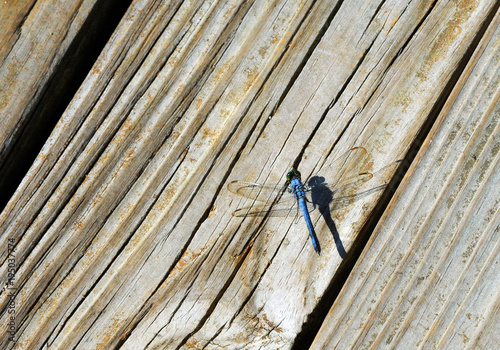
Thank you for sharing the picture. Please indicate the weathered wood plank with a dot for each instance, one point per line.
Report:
(123, 225)
(46, 49)
(429, 277)
(11, 17)
(35, 34)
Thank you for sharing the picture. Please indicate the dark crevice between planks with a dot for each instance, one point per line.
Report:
(61, 87)
(314, 321)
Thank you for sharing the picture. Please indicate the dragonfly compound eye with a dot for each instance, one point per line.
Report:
(291, 174)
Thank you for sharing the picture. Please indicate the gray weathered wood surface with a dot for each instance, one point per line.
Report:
(123, 227)
(34, 36)
(430, 275)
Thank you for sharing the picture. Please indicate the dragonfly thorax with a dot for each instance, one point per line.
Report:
(295, 184)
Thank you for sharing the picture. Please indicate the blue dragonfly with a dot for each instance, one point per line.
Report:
(281, 199)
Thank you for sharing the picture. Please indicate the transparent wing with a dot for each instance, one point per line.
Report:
(279, 209)
(286, 205)
(322, 194)
(262, 193)
(349, 166)
(342, 202)
(350, 189)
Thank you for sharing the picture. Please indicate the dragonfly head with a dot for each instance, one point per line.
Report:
(294, 173)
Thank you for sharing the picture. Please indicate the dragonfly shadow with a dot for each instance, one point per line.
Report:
(322, 196)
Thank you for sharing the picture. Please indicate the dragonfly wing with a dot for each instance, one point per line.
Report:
(321, 194)
(379, 179)
(344, 201)
(350, 186)
(284, 207)
(252, 190)
(349, 190)
(350, 164)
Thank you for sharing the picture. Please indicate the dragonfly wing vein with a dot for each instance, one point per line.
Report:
(261, 193)
(284, 207)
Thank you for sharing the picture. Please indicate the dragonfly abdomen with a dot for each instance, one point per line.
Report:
(299, 193)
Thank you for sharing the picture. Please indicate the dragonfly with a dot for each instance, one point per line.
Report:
(282, 199)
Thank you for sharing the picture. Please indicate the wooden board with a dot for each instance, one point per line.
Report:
(430, 275)
(123, 228)
(47, 48)
(34, 37)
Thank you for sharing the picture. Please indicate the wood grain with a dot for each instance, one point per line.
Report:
(123, 227)
(429, 276)
(35, 36)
